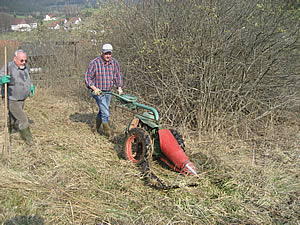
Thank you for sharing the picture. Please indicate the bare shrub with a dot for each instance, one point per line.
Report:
(63, 56)
(215, 65)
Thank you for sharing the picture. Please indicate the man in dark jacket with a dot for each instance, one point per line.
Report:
(19, 87)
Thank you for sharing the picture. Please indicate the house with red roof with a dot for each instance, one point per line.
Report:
(20, 24)
(49, 17)
(73, 22)
(55, 25)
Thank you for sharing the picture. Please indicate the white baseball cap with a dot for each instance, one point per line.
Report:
(107, 48)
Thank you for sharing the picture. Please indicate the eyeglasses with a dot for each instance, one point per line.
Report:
(23, 60)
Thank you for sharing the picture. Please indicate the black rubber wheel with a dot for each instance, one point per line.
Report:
(178, 138)
(137, 145)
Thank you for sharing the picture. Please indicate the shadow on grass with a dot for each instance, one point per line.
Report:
(87, 118)
(119, 141)
(26, 220)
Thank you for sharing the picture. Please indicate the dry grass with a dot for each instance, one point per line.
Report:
(72, 176)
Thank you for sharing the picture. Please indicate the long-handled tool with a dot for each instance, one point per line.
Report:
(6, 135)
(146, 138)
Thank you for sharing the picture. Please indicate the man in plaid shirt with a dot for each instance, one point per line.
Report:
(102, 74)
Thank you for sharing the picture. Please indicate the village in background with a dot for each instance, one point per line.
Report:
(63, 15)
(20, 27)
(53, 22)
(29, 24)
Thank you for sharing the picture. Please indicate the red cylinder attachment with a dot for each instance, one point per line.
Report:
(172, 150)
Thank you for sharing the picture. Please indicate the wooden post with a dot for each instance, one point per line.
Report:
(6, 135)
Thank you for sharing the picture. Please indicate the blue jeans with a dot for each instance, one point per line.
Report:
(103, 102)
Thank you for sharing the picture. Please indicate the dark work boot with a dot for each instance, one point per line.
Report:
(26, 136)
(12, 125)
(106, 130)
(113, 129)
(12, 128)
(97, 125)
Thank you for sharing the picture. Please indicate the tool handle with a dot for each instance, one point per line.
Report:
(5, 105)
(132, 100)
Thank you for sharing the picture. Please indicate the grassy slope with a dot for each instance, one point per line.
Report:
(72, 176)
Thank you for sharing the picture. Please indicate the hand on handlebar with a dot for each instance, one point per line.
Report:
(97, 91)
(120, 91)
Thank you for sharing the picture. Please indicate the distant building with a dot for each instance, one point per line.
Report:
(57, 24)
(54, 25)
(74, 21)
(49, 17)
(20, 24)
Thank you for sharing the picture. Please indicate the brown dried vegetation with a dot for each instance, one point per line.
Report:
(224, 75)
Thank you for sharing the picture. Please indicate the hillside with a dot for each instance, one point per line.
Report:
(18, 7)
(73, 176)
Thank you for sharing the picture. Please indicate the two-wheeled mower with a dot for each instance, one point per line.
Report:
(146, 139)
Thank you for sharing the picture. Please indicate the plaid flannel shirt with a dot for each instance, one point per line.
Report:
(103, 75)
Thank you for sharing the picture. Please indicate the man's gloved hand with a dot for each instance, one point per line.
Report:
(97, 91)
(32, 91)
(5, 79)
(120, 91)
